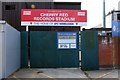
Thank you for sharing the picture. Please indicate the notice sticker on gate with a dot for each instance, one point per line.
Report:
(72, 45)
(67, 40)
(63, 46)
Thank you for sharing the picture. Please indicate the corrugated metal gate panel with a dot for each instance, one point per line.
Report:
(43, 49)
(116, 42)
(44, 52)
(105, 51)
(68, 58)
(89, 48)
(116, 50)
(24, 49)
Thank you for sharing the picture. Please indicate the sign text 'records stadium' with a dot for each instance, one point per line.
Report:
(54, 17)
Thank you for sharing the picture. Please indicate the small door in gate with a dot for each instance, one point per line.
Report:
(89, 49)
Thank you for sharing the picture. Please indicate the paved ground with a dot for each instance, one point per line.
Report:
(103, 74)
(119, 74)
(65, 73)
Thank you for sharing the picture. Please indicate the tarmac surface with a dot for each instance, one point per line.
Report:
(65, 73)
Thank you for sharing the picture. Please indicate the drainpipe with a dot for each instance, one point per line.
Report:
(104, 19)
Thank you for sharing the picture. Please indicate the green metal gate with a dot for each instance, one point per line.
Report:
(89, 49)
(45, 54)
(24, 49)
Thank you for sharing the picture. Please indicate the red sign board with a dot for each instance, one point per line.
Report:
(51, 17)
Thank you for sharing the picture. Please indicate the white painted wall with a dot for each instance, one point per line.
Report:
(9, 50)
(1, 72)
(109, 21)
(12, 48)
(119, 5)
(2, 69)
